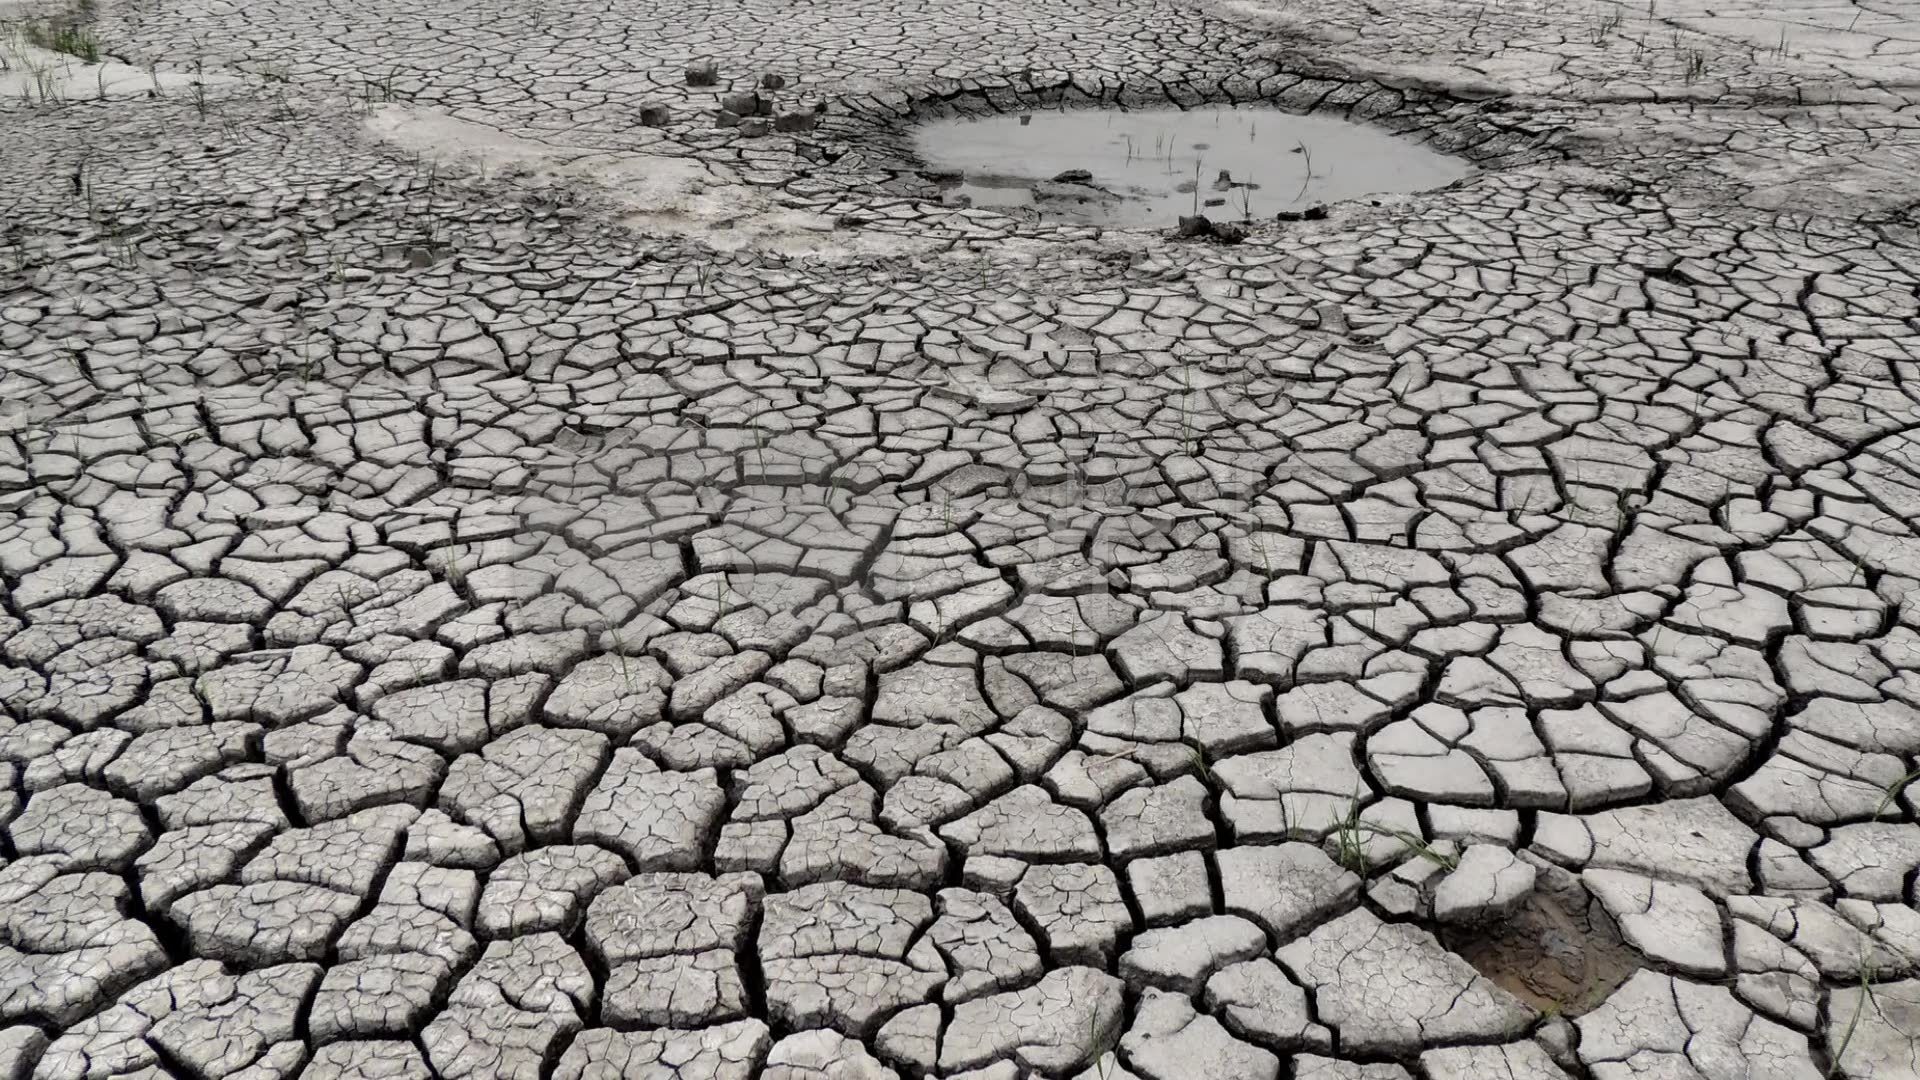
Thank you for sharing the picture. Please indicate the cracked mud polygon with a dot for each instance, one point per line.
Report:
(546, 541)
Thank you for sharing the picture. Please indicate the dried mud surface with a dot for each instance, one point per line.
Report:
(502, 575)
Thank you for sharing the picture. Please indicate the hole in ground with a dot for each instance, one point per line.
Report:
(1558, 953)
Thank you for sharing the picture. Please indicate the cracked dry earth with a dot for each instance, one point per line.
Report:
(493, 588)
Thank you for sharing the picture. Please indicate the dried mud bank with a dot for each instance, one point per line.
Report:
(505, 575)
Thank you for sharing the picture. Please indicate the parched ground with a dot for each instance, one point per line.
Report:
(490, 587)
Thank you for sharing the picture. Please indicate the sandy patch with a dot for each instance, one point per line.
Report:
(44, 76)
(660, 193)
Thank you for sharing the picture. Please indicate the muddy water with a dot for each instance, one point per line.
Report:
(1151, 166)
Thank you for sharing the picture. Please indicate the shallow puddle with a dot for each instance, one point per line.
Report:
(1149, 167)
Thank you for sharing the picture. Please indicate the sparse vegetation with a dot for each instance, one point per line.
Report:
(1606, 20)
(18, 54)
(1853, 1024)
(197, 89)
(453, 571)
(1350, 837)
(1696, 66)
(619, 651)
(64, 35)
(1350, 848)
(1104, 1060)
(1892, 792)
(24, 45)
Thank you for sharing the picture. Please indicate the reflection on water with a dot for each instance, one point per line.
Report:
(1149, 167)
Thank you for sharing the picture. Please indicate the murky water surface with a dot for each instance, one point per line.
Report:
(1149, 167)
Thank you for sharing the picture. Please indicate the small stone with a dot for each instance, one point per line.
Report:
(1054, 1025)
(1658, 1025)
(1674, 924)
(1519, 1061)
(823, 1055)
(1169, 1040)
(1259, 1003)
(1391, 988)
(1193, 227)
(1395, 897)
(703, 73)
(1170, 888)
(1182, 958)
(1284, 888)
(1488, 883)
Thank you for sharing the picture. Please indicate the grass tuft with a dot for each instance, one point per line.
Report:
(63, 37)
(1350, 842)
(1853, 1025)
(1893, 791)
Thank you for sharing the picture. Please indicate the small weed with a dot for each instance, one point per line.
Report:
(453, 571)
(1893, 791)
(620, 651)
(1350, 848)
(1351, 834)
(64, 37)
(45, 82)
(1117, 755)
(1418, 845)
(1104, 1063)
(1853, 1025)
(312, 354)
(380, 91)
(1186, 410)
(1696, 69)
(1606, 21)
(198, 89)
